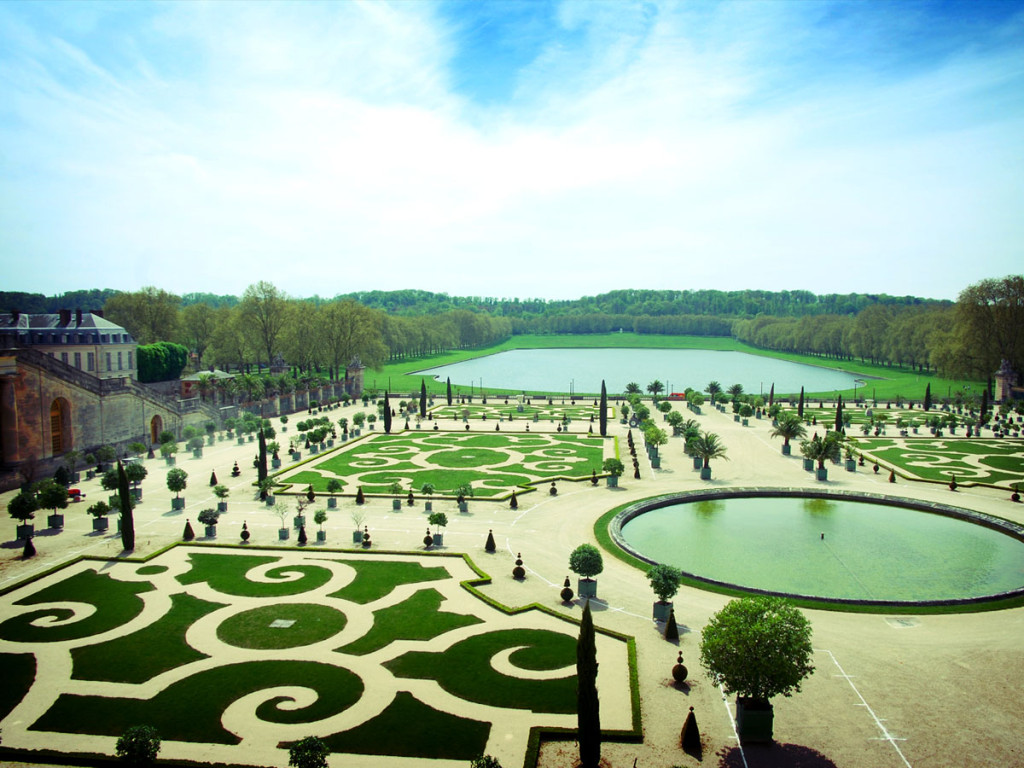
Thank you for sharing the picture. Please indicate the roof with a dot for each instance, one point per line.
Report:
(52, 320)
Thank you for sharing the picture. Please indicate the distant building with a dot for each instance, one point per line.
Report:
(84, 340)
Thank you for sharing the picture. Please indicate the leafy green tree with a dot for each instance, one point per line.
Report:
(613, 466)
(588, 708)
(265, 309)
(789, 427)
(23, 506)
(176, 480)
(707, 446)
(138, 745)
(149, 314)
(664, 581)
(309, 752)
(713, 389)
(632, 388)
(758, 647)
(656, 387)
(586, 561)
(821, 449)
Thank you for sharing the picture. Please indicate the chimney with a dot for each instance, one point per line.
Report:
(78, 318)
(15, 314)
(65, 317)
(98, 312)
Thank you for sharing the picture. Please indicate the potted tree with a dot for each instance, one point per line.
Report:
(819, 449)
(221, 492)
(167, 451)
(461, 493)
(23, 508)
(788, 426)
(427, 489)
(614, 468)
(105, 454)
(136, 473)
(209, 518)
(395, 489)
(585, 561)
(53, 496)
(71, 459)
(438, 520)
(358, 516)
(99, 512)
(333, 486)
(195, 444)
(706, 446)
(281, 510)
(665, 583)
(176, 481)
(745, 413)
(758, 648)
(90, 460)
(273, 448)
(320, 517)
(266, 488)
(357, 421)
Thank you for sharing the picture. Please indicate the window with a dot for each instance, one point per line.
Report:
(78, 360)
(91, 361)
(130, 360)
(109, 368)
(63, 357)
(120, 367)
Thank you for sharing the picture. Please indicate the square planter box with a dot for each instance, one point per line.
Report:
(612, 481)
(269, 500)
(298, 521)
(178, 503)
(822, 474)
(211, 531)
(26, 531)
(357, 537)
(754, 720)
(661, 611)
(136, 493)
(275, 463)
(438, 539)
(170, 460)
(586, 587)
(100, 523)
(705, 473)
(464, 506)
(332, 503)
(296, 455)
(222, 507)
(282, 534)
(809, 465)
(656, 462)
(787, 450)
(396, 505)
(241, 440)
(851, 465)
(698, 462)
(428, 506)
(55, 521)
(321, 536)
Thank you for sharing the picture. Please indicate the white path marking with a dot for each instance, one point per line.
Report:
(732, 722)
(886, 736)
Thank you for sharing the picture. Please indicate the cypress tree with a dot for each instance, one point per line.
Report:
(127, 518)
(604, 410)
(928, 397)
(587, 706)
(387, 413)
(423, 399)
(261, 460)
(771, 396)
(839, 414)
(800, 407)
(449, 390)
(984, 407)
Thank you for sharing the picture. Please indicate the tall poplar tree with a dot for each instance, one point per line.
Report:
(928, 397)
(449, 385)
(423, 399)
(588, 715)
(387, 413)
(125, 502)
(800, 407)
(261, 464)
(604, 410)
(839, 414)
(771, 396)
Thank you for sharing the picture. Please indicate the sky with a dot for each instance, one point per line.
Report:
(511, 149)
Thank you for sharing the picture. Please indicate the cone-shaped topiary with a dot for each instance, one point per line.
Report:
(892, 475)
(513, 502)
(690, 736)
(213, 478)
(671, 630)
(636, 472)
(360, 498)
(188, 534)
(303, 538)
(235, 471)
(490, 545)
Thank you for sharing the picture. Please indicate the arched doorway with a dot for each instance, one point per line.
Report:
(60, 426)
(156, 426)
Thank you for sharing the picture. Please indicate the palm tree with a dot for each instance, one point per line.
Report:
(632, 388)
(205, 385)
(655, 387)
(713, 388)
(690, 428)
(789, 427)
(736, 390)
(706, 446)
(819, 449)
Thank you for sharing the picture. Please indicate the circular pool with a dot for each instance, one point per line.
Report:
(833, 546)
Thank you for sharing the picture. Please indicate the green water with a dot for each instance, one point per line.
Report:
(869, 551)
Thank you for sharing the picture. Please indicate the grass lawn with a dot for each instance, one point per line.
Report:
(988, 461)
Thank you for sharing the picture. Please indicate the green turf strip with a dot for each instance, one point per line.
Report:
(116, 602)
(417, 618)
(409, 728)
(253, 629)
(373, 580)
(465, 670)
(191, 709)
(18, 672)
(226, 574)
(144, 654)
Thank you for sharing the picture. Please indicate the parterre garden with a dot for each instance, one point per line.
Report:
(252, 650)
(532, 410)
(988, 461)
(492, 464)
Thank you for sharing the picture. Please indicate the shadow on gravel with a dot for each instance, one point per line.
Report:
(773, 755)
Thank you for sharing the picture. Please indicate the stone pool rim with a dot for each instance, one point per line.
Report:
(639, 507)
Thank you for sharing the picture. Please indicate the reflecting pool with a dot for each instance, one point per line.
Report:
(581, 370)
(830, 548)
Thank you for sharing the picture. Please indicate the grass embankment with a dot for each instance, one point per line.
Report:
(883, 382)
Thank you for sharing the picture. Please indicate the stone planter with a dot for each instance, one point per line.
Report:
(656, 462)
(222, 507)
(252, 438)
(736, 418)
(746, 422)
(55, 521)
(178, 503)
(808, 465)
(851, 465)
(26, 531)
(296, 455)
(438, 539)
(313, 448)
(705, 473)
(612, 481)
(211, 531)
(275, 463)
(298, 521)
(332, 503)
(661, 611)
(787, 450)
(169, 460)
(822, 474)
(100, 524)
(428, 506)
(321, 537)
(586, 588)
(282, 534)
(241, 440)
(357, 537)
(464, 506)
(396, 505)
(698, 462)
(754, 719)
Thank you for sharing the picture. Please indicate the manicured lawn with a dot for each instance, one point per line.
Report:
(264, 628)
(417, 618)
(988, 461)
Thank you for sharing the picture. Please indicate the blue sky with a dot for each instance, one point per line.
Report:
(531, 149)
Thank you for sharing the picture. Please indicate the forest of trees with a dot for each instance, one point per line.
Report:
(968, 338)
